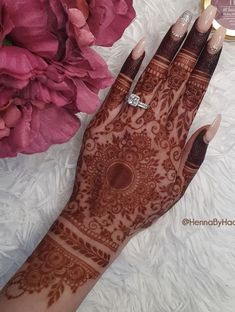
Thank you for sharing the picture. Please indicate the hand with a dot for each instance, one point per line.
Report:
(134, 166)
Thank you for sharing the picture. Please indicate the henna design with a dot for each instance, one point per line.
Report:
(185, 109)
(78, 244)
(195, 41)
(198, 151)
(53, 268)
(157, 70)
(180, 71)
(128, 170)
(131, 67)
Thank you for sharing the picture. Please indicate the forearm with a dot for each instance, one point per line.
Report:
(60, 273)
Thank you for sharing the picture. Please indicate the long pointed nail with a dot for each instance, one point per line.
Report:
(181, 26)
(139, 49)
(212, 130)
(205, 20)
(216, 41)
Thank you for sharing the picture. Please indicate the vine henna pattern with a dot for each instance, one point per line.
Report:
(50, 267)
(130, 170)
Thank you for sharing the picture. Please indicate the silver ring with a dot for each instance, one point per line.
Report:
(134, 100)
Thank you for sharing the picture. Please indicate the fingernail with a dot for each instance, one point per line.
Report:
(181, 26)
(212, 130)
(205, 20)
(139, 49)
(216, 41)
(76, 17)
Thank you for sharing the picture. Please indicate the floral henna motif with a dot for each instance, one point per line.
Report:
(128, 177)
(114, 100)
(185, 109)
(156, 72)
(51, 268)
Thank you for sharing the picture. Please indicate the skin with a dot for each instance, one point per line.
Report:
(134, 165)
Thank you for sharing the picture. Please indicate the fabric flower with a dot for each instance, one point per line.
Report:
(28, 125)
(108, 19)
(48, 72)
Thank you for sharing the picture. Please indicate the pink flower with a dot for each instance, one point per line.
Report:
(39, 98)
(108, 19)
(49, 72)
(28, 125)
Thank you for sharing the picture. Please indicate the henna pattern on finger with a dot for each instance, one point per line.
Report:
(194, 160)
(131, 67)
(180, 71)
(117, 94)
(185, 109)
(156, 72)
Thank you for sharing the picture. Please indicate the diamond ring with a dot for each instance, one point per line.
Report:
(134, 100)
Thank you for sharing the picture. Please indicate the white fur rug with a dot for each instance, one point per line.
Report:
(169, 267)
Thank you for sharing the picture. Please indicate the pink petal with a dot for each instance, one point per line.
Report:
(12, 116)
(2, 124)
(84, 37)
(109, 19)
(52, 125)
(20, 135)
(76, 17)
(4, 133)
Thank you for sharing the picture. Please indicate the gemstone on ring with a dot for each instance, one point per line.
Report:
(134, 100)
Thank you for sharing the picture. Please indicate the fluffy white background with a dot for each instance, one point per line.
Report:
(169, 267)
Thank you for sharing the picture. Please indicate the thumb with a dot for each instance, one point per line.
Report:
(195, 150)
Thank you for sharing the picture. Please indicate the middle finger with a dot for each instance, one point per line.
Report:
(184, 64)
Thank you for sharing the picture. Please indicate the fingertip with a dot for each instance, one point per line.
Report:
(212, 130)
(216, 41)
(139, 49)
(198, 150)
(134, 60)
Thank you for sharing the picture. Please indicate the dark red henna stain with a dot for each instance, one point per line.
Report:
(207, 62)
(185, 109)
(169, 47)
(195, 41)
(131, 67)
(50, 267)
(198, 151)
(119, 176)
(78, 244)
(156, 72)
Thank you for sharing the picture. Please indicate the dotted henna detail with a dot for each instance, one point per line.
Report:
(128, 185)
(51, 268)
